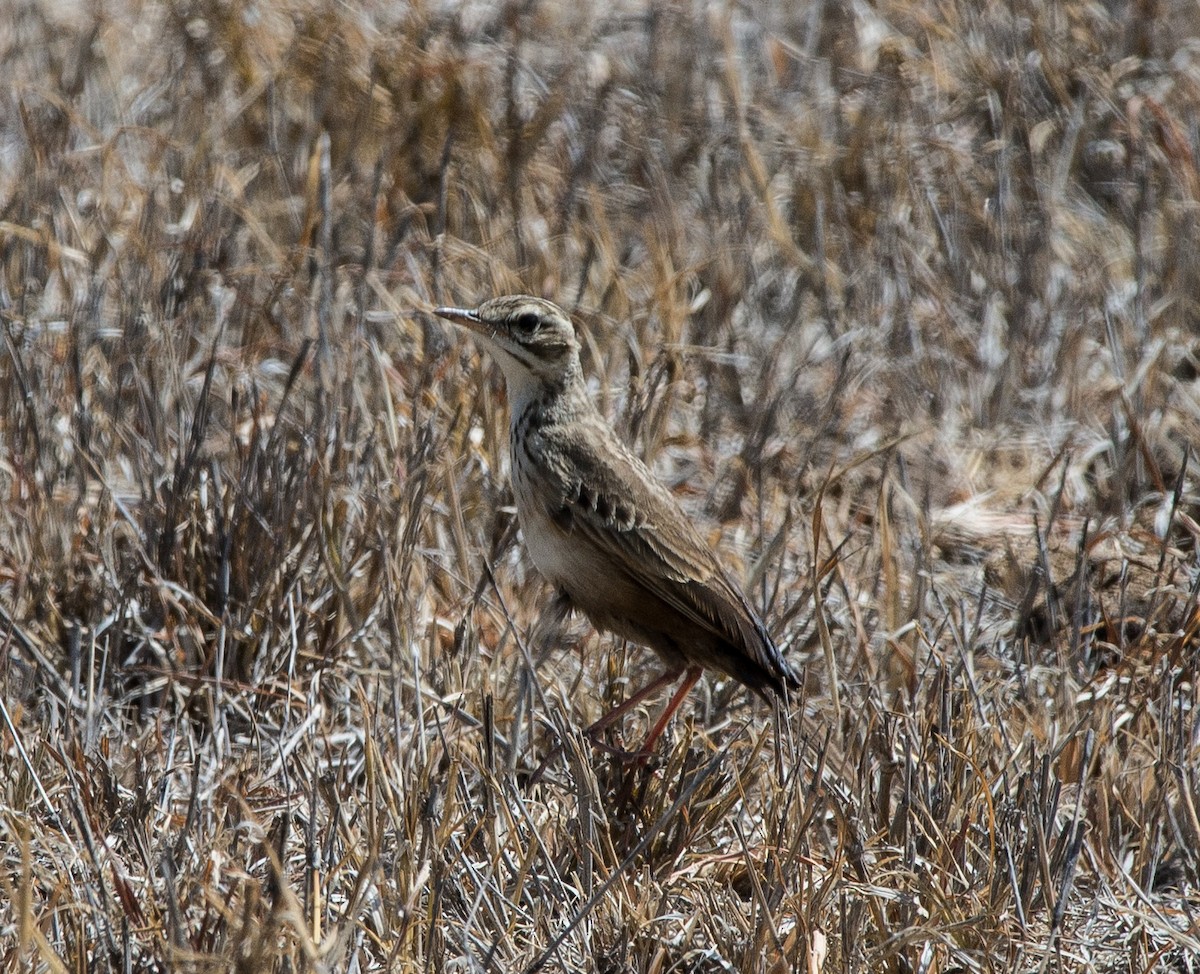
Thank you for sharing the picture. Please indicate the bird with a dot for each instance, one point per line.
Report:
(602, 530)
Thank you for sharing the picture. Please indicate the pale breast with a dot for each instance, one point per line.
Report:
(561, 557)
(552, 549)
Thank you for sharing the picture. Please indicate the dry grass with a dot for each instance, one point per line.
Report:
(901, 299)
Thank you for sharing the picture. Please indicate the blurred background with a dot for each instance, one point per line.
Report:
(899, 298)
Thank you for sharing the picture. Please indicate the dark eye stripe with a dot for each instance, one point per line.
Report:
(529, 361)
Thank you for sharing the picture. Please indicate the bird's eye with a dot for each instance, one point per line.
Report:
(526, 323)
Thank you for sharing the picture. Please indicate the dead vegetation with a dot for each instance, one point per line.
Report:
(901, 298)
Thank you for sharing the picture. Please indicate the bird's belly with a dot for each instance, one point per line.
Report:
(562, 558)
(557, 556)
(551, 548)
(598, 587)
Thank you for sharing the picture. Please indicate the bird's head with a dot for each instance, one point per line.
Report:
(532, 340)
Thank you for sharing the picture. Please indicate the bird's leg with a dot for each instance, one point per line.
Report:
(615, 714)
(690, 676)
(623, 708)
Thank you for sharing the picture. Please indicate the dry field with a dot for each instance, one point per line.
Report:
(902, 299)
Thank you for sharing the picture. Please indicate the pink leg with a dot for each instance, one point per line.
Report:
(690, 676)
(617, 711)
(623, 708)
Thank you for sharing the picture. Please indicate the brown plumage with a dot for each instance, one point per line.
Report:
(598, 525)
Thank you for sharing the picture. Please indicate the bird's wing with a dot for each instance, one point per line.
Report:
(655, 545)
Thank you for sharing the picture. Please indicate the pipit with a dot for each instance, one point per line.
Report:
(601, 529)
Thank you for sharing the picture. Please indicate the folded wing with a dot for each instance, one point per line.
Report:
(659, 550)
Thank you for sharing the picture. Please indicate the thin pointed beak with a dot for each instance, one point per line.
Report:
(460, 316)
(465, 317)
